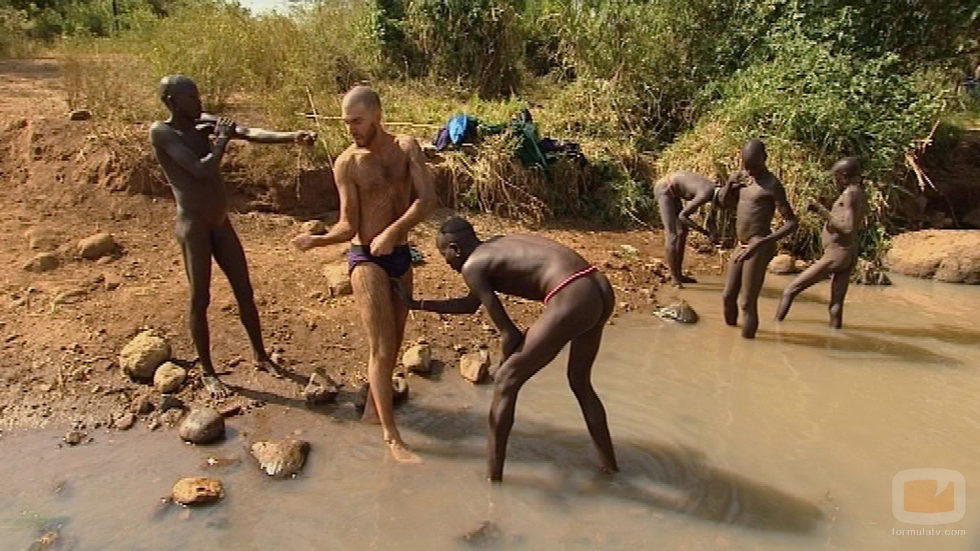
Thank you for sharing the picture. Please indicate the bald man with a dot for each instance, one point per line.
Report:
(758, 194)
(671, 192)
(192, 165)
(385, 189)
(844, 220)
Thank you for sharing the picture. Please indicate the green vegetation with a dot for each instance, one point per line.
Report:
(646, 87)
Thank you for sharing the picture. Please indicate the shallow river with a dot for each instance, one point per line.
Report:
(790, 441)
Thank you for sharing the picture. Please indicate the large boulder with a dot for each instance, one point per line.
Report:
(783, 264)
(202, 426)
(338, 279)
(946, 255)
(169, 377)
(197, 491)
(418, 358)
(96, 246)
(281, 459)
(141, 356)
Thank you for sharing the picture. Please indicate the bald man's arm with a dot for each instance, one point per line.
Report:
(423, 189)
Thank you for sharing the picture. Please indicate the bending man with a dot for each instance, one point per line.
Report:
(670, 191)
(758, 195)
(840, 247)
(385, 189)
(578, 301)
(192, 164)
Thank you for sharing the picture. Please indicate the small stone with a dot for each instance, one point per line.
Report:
(783, 264)
(74, 437)
(338, 279)
(169, 377)
(197, 491)
(679, 311)
(320, 389)
(124, 421)
(314, 227)
(281, 459)
(42, 262)
(140, 358)
(97, 246)
(399, 387)
(418, 358)
(474, 366)
(202, 426)
(487, 534)
(80, 115)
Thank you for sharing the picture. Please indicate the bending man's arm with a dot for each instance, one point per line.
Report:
(165, 139)
(700, 199)
(346, 226)
(259, 135)
(728, 194)
(423, 189)
(480, 286)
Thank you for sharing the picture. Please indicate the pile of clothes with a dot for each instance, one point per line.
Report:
(533, 151)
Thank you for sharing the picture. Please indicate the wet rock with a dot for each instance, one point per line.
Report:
(320, 389)
(168, 377)
(141, 356)
(474, 366)
(74, 437)
(679, 311)
(80, 115)
(783, 264)
(281, 459)
(946, 255)
(124, 421)
(43, 262)
(418, 358)
(869, 273)
(314, 227)
(338, 280)
(97, 246)
(202, 426)
(487, 534)
(399, 388)
(197, 491)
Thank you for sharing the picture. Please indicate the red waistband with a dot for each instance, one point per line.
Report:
(567, 280)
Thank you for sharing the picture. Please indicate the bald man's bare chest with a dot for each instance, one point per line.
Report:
(382, 178)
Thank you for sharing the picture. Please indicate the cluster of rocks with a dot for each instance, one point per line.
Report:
(50, 252)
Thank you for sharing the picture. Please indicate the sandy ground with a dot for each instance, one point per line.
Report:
(59, 363)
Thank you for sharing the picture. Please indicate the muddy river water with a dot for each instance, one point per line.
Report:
(791, 441)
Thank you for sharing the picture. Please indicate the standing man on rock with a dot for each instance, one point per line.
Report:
(840, 247)
(758, 194)
(385, 189)
(192, 164)
(670, 192)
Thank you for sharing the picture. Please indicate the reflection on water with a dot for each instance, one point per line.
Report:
(788, 441)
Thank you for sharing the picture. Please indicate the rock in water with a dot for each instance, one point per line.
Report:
(338, 280)
(125, 421)
(486, 534)
(399, 390)
(783, 264)
(197, 491)
(43, 262)
(283, 458)
(474, 366)
(418, 358)
(202, 426)
(140, 358)
(97, 246)
(679, 311)
(320, 389)
(314, 227)
(74, 437)
(169, 377)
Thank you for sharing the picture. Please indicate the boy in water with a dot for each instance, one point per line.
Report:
(840, 248)
(578, 301)
(670, 192)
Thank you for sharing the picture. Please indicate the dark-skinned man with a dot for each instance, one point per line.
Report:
(757, 194)
(192, 164)
(671, 192)
(578, 302)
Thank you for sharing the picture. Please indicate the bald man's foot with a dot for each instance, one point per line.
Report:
(402, 453)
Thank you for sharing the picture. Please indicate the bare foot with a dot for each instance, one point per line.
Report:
(270, 366)
(401, 453)
(215, 388)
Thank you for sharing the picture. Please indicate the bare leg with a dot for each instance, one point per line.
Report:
(810, 276)
(754, 274)
(681, 249)
(838, 288)
(370, 414)
(733, 284)
(372, 288)
(580, 359)
(673, 238)
(195, 244)
(230, 256)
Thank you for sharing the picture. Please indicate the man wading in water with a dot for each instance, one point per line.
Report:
(578, 301)
(840, 247)
(385, 189)
(669, 192)
(192, 164)
(758, 194)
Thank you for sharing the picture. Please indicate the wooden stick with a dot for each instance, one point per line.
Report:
(318, 117)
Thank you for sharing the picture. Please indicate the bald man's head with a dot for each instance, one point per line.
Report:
(180, 95)
(363, 95)
(847, 170)
(754, 155)
(361, 111)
